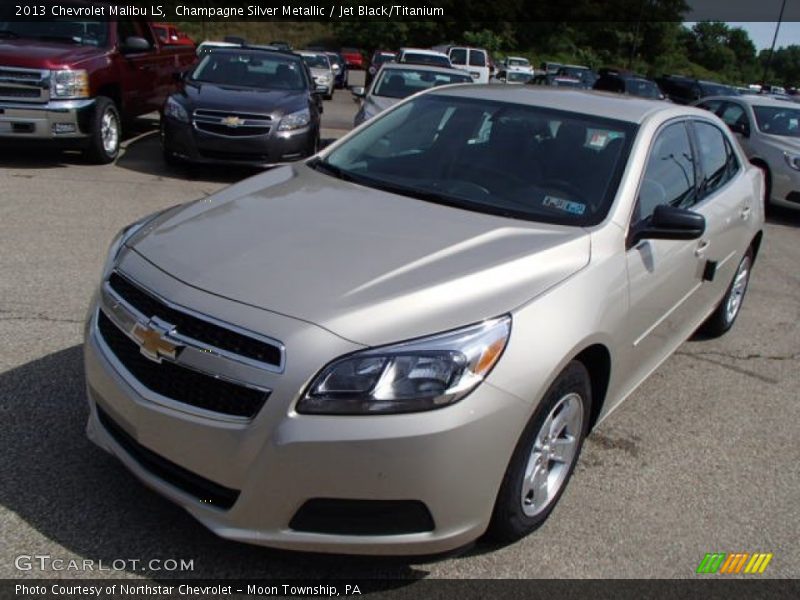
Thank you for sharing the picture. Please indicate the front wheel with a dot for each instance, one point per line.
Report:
(104, 142)
(723, 318)
(544, 458)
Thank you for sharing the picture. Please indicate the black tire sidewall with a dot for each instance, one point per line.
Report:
(96, 151)
(723, 306)
(509, 522)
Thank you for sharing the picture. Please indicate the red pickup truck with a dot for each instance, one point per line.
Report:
(75, 82)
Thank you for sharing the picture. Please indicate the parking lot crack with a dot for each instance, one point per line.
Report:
(38, 317)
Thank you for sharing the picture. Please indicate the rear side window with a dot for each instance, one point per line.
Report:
(669, 177)
(717, 159)
(477, 58)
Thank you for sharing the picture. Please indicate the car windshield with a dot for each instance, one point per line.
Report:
(643, 88)
(400, 83)
(316, 61)
(494, 157)
(383, 57)
(418, 58)
(576, 72)
(518, 62)
(251, 70)
(89, 33)
(777, 120)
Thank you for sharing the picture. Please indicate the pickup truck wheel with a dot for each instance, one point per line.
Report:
(106, 133)
(544, 458)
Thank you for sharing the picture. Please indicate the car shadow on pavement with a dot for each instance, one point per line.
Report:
(143, 155)
(780, 215)
(73, 493)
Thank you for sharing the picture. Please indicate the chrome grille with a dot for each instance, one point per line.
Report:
(231, 124)
(24, 85)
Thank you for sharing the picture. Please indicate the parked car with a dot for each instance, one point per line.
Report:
(625, 82)
(71, 83)
(281, 45)
(769, 133)
(353, 58)
(551, 68)
(243, 106)
(517, 63)
(474, 61)
(558, 81)
(321, 70)
(585, 75)
(513, 77)
(396, 81)
(341, 76)
(421, 56)
(378, 58)
(170, 35)
(684, 90)
(401, 344)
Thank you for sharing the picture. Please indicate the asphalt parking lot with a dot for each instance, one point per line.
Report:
(703, 458)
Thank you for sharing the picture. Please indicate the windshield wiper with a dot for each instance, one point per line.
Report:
(325, 167)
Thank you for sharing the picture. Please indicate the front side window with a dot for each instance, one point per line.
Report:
(401, 83)
(316, 61)
(734, 115)
(494, 157)
(717, 159)
(458, 56)
(669, 177)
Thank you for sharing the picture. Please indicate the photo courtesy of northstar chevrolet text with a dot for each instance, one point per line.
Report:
(502, 292)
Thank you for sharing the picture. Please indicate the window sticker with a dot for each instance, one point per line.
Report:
(575, 208)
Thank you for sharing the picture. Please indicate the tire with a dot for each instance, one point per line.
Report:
(104, 142)
(329, 96)
(724, 316)
(518, 511)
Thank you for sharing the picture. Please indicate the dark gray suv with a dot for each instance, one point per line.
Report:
(244, 106)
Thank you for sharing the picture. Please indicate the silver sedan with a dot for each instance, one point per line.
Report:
(400, 345)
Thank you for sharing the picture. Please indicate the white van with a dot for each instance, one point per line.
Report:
(473, 60)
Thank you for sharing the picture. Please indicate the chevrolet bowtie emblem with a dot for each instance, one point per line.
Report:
(151, 340)
(233, 121)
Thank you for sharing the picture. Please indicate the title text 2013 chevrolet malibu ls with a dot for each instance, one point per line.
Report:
(401, 343)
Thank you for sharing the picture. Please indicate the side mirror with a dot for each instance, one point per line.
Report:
(135, 44)
(670, 223)
(741, 128)
(359, 91)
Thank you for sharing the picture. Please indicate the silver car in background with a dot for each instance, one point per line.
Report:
(400, 344)
(396, 81)
(769, 131)
(321, 70)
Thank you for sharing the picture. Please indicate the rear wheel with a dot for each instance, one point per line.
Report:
(104, 142)
(723, 318)
(544, 458)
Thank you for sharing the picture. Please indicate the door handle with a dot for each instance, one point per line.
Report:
(701, 248)
(745, 214)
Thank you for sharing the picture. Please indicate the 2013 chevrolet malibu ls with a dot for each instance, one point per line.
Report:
(401, 343)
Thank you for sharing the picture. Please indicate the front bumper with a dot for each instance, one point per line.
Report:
(55, 120)
(451, 460)
(190, 144)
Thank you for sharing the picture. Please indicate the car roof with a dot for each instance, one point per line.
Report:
(423, 51)
(753, 100)
(609, 105)
(414, 67)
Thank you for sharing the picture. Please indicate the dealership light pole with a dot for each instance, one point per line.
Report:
(772, 48)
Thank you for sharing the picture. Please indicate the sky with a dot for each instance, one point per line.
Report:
(761, 33)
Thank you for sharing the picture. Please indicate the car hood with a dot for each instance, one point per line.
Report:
(212, 96)
(37, 54)
(370, 266)
(784, 143)
(318, 72)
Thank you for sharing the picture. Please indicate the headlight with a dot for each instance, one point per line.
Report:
(123, 235)
(295, 120)
(412, 376)
(69, 84)
(793, 160)
(175, 110)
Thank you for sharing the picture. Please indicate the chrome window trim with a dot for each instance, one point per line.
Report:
(197, 344)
